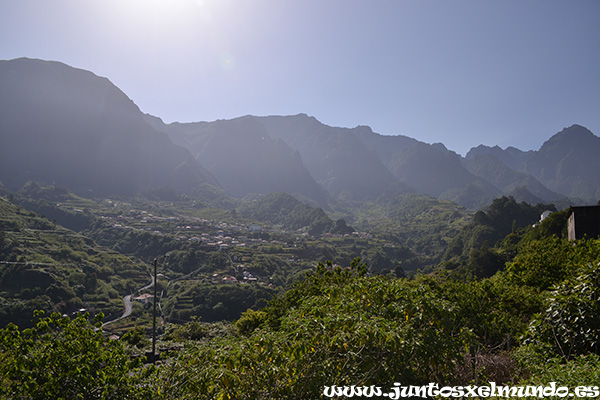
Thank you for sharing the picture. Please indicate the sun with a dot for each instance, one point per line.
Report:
(201, 34)
(144, 15)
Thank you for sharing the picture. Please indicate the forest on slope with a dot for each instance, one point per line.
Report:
(341, 327)
(291, 255)
(270, 241)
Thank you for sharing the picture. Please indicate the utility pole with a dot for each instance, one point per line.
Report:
(154, 316)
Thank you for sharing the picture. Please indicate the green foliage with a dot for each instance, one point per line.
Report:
(47, 267)
(250, 320)
(554, 224)
(340, 227)
(472, 249)
(540, 366)
(211, 302)
(61, 358)
(37, 190)
(571, 320)
(196, 330)
(136, 337)
(548, 261)
(422, 225)
(285, 210)
(485, 262)
(496, 310)
(336, 327)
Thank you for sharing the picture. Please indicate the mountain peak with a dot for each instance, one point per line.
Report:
(575, 135)
(52, 86)
(568, 163)
(70, 127)
(575, 132)
(364, 129)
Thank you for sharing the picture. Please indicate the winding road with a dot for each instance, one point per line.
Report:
(128, 303)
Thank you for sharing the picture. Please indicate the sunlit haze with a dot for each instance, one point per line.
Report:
(507, 73)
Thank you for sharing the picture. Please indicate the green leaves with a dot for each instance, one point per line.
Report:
(571, 320)
(543, 263)
(338, 326)
(61, 358)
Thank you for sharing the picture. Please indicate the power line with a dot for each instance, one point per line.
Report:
(36, 263)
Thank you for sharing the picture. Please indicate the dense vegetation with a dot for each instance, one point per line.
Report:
(288, 313)
(263, 296)
(484, 245)
(340, 326)
(270, 241)
(47, 267)
(283, 209)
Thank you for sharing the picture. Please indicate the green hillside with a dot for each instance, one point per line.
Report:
(339, 327)
(45, 266)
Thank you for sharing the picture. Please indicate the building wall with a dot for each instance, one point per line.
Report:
(584, 222)
(571, 226)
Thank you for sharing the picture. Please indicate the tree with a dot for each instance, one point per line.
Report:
(571, 321)
(61, 358)
(336, 327)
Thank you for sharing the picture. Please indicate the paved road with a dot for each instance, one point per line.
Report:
(148, 286)
(128, 303)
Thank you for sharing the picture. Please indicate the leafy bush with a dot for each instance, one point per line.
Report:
(250, 320)
(539, 367)
(542, 263)
(61, 358)
(336, 327)
(496, 310)
(571, 321)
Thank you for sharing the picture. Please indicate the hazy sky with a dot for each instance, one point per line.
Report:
(510, 72)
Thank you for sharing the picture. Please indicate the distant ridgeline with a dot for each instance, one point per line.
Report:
(69, 127)
(301, 232)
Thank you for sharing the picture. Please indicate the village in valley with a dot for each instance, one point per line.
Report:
(204, 250)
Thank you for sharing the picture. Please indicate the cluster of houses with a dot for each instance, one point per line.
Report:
(247, 277)
(222, 236)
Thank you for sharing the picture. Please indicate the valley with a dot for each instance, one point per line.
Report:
(215, 263)
(290, 254)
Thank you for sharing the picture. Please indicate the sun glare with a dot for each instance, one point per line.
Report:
(173, 14)
(227, 61)
(197, 25)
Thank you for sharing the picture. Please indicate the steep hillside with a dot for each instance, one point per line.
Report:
(67, 126)
(569, 163)
(429, 168)
(244, 158)
(521, 186)
(283, 209)
(511, 156)
(470, 250)
(360, 164)
(44, 266)
(335, 157)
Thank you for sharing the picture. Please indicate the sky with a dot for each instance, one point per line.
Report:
(462, 72)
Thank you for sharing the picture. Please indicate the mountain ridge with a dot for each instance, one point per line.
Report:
(68, 126)
(565, 164)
